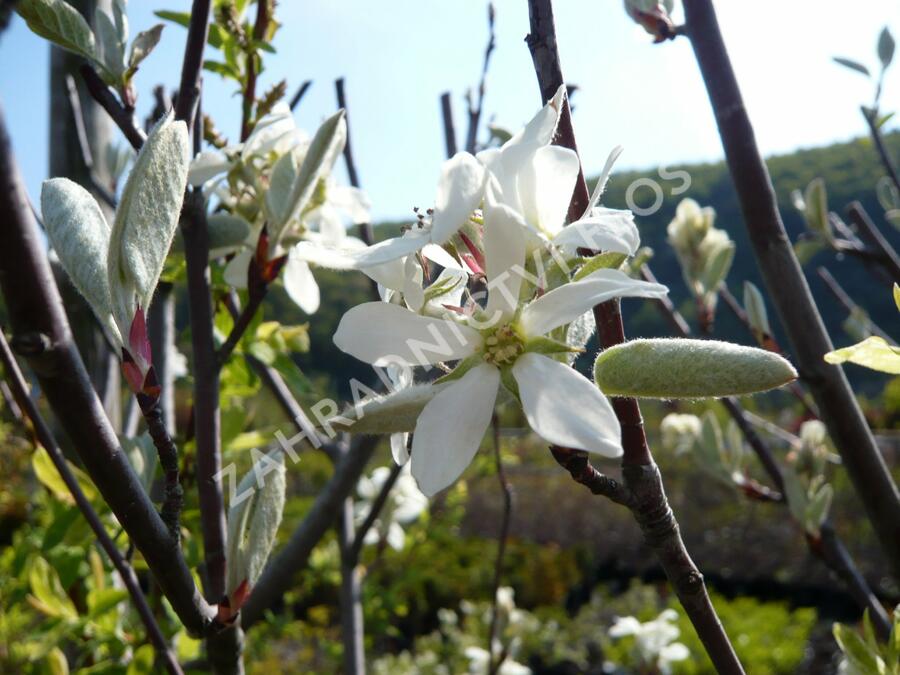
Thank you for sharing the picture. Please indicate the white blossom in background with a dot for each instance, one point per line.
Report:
(405, 504)
(480, 662)
(680, 431)
(655, 641)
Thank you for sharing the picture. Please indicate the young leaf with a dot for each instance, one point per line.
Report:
(681, 368)
(146, 219)
(79, 234)
(59, 22)
(873, 352)
(253, 520)
(393, 413)
(817, 208)
(852, 65)
(326, 146)
(143, 44)
(885, 47)
(226, 230)
(755, 306)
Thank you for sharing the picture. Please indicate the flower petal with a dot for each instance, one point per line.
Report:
(301, 285)
(542, 127)
(450, 428)
(504, 253)
(604, 230)
(236, 269)
(565, 408)
(206, 166)
(546, 183)
(459, 192)
(565, 304)
(380, 333)
(398, 448)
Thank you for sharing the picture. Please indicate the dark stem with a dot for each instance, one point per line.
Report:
(888, 256)
(301, 92)
(259, 32)
(206, 394)
(883, 154)
(46, 439)
(476, 109)
(787, 286)
(377, 505)
(192, 65)
(449, 128)
(847, 302)
(168, 461)
(124, 119)
(42, 334)
(365, 229)
(672, 315)
(279, 573)
(648, 504)
(502, 538)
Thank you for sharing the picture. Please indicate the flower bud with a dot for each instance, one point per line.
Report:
(682, 368)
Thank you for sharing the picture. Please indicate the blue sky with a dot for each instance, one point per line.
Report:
(397, 57)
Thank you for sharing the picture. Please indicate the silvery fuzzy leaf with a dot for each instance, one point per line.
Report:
(59, 22)
(284, 173)
(120, 16)
(323, 151)
(683, 368)
(79, 234)
(579, 332)
(717, 266)
(393, 413)
(817, 508)
(146, 219)
(144, 43)
(254, 518)
(110, 48)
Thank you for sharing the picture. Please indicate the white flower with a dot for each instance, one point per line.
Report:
(654, 640)
(504, 343)
(679, 431)
(404, 505)
(480, 662)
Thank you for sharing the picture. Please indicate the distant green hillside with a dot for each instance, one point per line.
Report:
(851, 171)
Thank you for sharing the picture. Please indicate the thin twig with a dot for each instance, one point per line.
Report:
(649, 504)
(788, 288)
(301, 92)
(476, 109)
(848, 304)
(871, 117)
(241, 323)
(890, 259)
(259, 32)
(47, 440)
(84, 146)
(375, 510)
(502, 538)
(103, 95)
(449, 128)
(365, 229)
(168, 461)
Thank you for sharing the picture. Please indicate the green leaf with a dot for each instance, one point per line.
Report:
(181, 18)
(48, 475)
(609, 260)
(48, 595)
(56, 662)
(897, 296)
(110, 47)
(855, 650)
(392, 413)
(103, 600)
(873, 352)
(222, 69)
(142, 663)
(852, 65)
(682, 368)
(227, 231)
(60, 23)
(885, 47)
